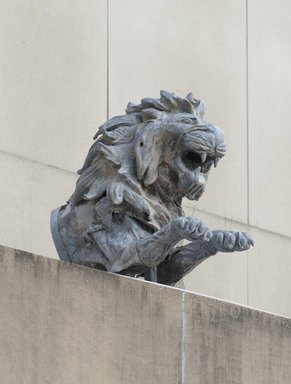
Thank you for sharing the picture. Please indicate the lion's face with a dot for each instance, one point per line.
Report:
(201, 145)
(179, 149)
(162, 148)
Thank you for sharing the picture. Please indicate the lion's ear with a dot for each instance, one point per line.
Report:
(148, 153)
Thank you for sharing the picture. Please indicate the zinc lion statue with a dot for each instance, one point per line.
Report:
(125, 214)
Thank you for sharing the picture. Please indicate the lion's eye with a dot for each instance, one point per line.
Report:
(187, 121)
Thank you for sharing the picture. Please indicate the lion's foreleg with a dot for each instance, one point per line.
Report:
(151, 250)
(184, 259)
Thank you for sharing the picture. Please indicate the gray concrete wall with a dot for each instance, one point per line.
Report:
(67, 65)
(66, 324)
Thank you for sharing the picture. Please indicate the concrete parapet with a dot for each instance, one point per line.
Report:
(66, 324)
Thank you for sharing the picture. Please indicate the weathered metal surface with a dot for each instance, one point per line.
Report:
(125, 214)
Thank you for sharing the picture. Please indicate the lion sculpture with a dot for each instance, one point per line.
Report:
(125, 214)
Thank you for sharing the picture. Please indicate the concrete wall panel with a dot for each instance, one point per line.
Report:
(64, 324)
(184, 46)
(29, 191)
(269, 273)
(227, 343)
(269, 114)
(53, 78)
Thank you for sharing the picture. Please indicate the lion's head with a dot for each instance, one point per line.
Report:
(152, 157)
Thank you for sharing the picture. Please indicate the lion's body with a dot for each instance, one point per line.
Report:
(108, 224)
(125, 214)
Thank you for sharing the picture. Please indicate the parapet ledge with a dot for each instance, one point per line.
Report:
(66, 324)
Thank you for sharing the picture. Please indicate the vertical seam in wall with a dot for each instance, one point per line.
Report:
(183, 343)
(248, 143)
(107, 64)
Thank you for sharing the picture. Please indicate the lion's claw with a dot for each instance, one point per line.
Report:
(191, 228)
(228, 241)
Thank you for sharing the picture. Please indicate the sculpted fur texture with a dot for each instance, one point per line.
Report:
(125, 214)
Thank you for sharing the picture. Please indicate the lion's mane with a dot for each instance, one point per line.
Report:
(122, 164)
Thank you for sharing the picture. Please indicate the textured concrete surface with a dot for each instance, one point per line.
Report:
(66, 324)
(53, 78)
(30, 191)
(227, 343)
(270, 58)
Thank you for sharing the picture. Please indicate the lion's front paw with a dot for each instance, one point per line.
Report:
(229, 241)
(191, 228)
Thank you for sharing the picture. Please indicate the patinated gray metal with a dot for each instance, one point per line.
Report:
(125, 214)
